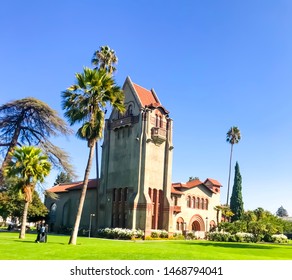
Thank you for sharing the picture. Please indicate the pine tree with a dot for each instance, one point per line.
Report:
(282, 212)
(236, 202)
(63, 178)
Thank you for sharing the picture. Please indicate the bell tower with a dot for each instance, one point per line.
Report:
(136, 167)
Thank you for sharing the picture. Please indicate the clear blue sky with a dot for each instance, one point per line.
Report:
(213, 64)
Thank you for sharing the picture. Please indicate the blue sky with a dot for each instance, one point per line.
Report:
(213, 64)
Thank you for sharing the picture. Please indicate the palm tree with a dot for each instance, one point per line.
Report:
(85, 102)
(29, 166)
(233, 136)
(105, 58)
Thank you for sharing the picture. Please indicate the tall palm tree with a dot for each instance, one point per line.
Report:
(105, 58)
(29, 166)
(85, 102)
(233, 137)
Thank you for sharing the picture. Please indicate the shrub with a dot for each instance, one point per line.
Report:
(120, 233)
(178, 236)
(157, 233)
(218, 236)
(279, 238)
(244, 237)
(191, 235)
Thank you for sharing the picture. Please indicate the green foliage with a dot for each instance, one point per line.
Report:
(102, 249)
(279, 238)
(282, 212)
(236, 202)
(159, 233)
(105, 58)
(233, 135)
(218, 236)
(287, 226)
(11, 205)
(63, 178)
(85, 102)
(28, 166)
(260, 223)
(29, 121)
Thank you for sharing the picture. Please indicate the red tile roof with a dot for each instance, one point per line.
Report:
(66, 187)
(193, 183)
(177, 187)
(147, 97)
(214, 182)
(175, 191)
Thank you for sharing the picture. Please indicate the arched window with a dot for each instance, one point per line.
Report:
(202, 203)
(206, 204)
(175, 200)
(160, 121)
(198, 203)
(193, 202)
(189, 201)
(156, 120)
(130, 110)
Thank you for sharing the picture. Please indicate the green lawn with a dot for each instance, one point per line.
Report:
(57, 248)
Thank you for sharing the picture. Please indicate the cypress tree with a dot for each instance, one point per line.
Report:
(236, 202)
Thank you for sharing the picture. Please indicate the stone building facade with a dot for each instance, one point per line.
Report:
(135, 189)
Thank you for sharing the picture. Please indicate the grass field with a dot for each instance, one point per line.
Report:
(57, 248)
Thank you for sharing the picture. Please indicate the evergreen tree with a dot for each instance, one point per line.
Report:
(236, 202)
(63, 178)
(282, 212)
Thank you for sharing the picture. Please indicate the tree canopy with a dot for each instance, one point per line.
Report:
(105, 58)
(282, 212)
(28, 166)
(85, 102)
(31, 122)
(11, 205)
(63, 177)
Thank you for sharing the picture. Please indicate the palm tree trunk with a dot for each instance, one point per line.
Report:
(24, 219)
(73, 238)
(227, 200)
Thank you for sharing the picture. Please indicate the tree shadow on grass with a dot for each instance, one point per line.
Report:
(31, 241)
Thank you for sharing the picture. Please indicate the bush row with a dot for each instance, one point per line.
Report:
(120, 233)
(245, 237)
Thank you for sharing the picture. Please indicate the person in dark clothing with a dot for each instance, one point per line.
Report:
(38, 233)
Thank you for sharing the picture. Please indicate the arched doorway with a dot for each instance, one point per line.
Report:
(197, 225)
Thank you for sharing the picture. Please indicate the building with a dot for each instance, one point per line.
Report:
(135, 189)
